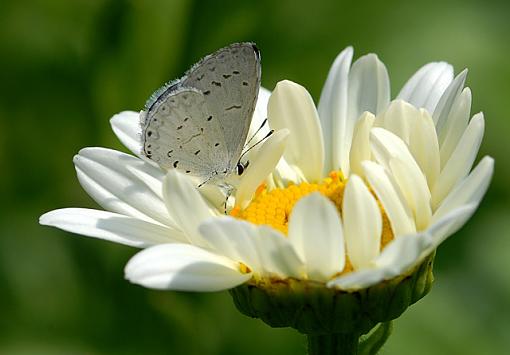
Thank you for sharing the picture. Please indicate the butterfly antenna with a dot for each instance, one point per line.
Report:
(258, 130)
(256, 144)
(205, 182)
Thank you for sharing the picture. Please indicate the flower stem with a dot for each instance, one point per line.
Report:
(333, 344)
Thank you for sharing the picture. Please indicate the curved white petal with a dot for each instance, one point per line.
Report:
(235, 239)
(259, 116)
(362, 223)
(369, 87)
(393, 203)
(399, 119)
(315, 231)
(126, 126)
(122, 183)
(111, 226)
(445, 104)
(332, 110)
(186, 205)
(455, 125)
(414, 187)
(461, 160)
(427, 85)
(368, 90)
(386, 145)
(403, 253)
(448, 224)
(265, 251)
(470, 190)
(183, 267)
(261, 165)
(392, 152)
(424, 146)
(291, 106)
(398, 257)
(360, 150)
(277, 255)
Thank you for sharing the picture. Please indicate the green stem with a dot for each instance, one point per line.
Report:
(333, 344)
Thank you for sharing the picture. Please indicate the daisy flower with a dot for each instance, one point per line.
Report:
(341, 208)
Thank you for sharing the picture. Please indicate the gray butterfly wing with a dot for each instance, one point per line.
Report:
(180, 131)
(230, 82)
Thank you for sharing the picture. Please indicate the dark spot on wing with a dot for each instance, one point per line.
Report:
(175, 163)
(245, 83)
(180, 127)
(226, 76)
(198, 151)
(188, 171)
(235, 72)
(209, 118)
(207, 92)
(149, 133)
(217, 83)
(187, 118)
(216, 144)
(212, 68)
(233, 107)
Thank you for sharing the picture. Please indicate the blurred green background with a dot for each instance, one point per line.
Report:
(67, 66)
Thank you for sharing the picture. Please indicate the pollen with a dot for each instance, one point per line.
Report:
(274, 207)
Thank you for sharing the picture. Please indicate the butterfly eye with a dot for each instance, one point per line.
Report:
(242, 167)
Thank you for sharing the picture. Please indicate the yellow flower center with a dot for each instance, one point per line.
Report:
(274, 207)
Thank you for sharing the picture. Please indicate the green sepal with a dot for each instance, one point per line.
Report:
(314, 309)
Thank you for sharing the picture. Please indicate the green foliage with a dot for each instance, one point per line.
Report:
(67, 66)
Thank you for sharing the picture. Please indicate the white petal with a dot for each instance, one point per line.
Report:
(448, 224)
(404, 253)
(445, 104)
(261, 166)
(111, 226)
(392, 152)
(183, 267)
(333, 113)
(259, 116)
(427, 85)
(470, 190)
(122, 183)
(397, 258)
(362, 223)
(386, 145)
(393, 203)
(186, 205)
(399, 119)
(414, 187)
(369, 87)
(235, 239)
(455, 125)
(424, 146)
(285, 174)
(277, 255)
(291, 106)
(315, 231)
(361, 143)
(126, 126)
(461, 160)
